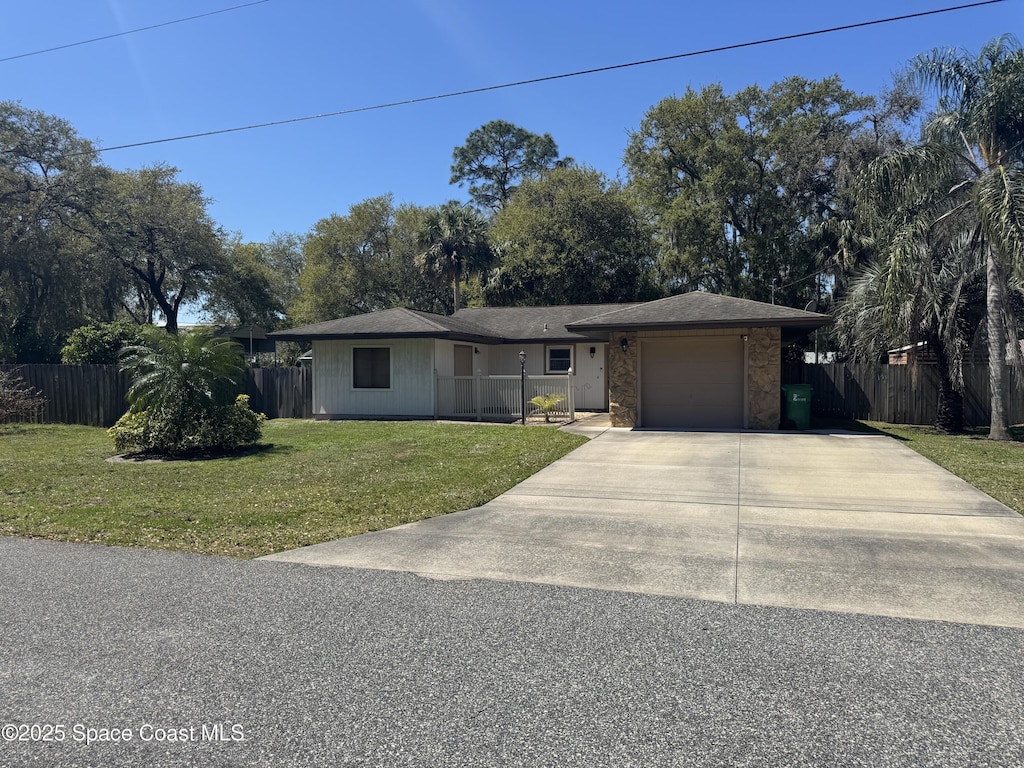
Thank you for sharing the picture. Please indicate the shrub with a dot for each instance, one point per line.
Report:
(183, 396)
(547, 403)
(99, 343)
(18, 401)
(170, 431)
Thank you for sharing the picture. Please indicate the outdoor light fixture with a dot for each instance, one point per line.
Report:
(522, 358)
(476, 350)
(744, 337)
(625, 343)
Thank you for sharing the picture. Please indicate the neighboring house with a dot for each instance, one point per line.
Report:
(911, 353)
(253, 339)
(695, 360)
(921, 353)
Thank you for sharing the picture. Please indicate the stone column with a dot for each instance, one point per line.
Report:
(622, 380)
(764, 378)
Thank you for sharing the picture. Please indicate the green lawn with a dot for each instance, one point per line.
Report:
(995, 467)
(317, 481)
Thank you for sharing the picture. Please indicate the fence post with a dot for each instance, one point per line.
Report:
(571, 394)
(476, 397)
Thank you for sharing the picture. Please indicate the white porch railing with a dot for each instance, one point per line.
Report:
(499, 398)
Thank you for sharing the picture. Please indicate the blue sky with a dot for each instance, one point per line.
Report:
(291, 58)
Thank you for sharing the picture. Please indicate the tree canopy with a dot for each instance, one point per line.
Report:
(570, 237)
(51, 278)
(158, 230)
(497, 157)
(365, 261)
(258, 283)
(739, 185)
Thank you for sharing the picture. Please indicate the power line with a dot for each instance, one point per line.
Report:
(130, 31)
(549, 78)
(805, 277)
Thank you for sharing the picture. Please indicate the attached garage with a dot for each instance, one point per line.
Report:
(697, 360)
(694, 383)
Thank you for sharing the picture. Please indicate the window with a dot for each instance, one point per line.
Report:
(559, 359)
(371, 368)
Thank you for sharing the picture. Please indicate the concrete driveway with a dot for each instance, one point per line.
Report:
(840, 522)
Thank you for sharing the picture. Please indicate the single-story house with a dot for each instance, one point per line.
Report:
(695, 360)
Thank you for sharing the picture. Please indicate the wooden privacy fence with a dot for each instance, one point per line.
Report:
(898, 394)
(281, 393)
(95, 395)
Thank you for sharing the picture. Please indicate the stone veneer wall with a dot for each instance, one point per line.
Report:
(622, 380)
(764, 378)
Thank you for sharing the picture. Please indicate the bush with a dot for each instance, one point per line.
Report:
(183, 396)
(99, 343)
(18, 401)
(174, 431)
(547, 403)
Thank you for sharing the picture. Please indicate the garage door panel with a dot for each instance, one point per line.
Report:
(694, 382)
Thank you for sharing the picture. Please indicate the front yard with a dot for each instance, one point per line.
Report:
(316, 482)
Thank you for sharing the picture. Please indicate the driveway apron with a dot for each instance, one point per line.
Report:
(840, 522)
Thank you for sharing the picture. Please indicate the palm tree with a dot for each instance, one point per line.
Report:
(920, 289)
(454, 243)
(188, 372)
(977, 137)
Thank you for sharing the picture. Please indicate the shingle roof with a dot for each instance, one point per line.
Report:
(564, 323)
(397, 322)
(699, 310)
(518, 324)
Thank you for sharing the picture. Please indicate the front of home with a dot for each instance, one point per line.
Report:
(696, 360)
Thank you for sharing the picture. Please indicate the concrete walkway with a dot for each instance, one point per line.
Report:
(839, 522)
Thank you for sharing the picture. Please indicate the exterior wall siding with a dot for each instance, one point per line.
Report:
(504, 359)
(444, 357)
(412, 380)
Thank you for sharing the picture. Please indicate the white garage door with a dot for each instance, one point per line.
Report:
(693, 382)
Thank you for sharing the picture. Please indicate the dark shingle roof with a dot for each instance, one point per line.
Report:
(699, 310)
(564, 323)
(389, 323)
(517, 324)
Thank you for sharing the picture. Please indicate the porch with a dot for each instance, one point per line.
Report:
(501, 398)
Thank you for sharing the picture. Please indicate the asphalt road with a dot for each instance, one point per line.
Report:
(340, 667)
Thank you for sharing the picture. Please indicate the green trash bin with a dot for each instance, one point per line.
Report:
(798, 405)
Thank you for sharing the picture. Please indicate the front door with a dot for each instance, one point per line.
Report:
(591, 390)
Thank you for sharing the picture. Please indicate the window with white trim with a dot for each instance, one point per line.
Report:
(371, 367)
(558, 359)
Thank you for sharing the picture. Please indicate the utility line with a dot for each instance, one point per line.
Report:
(805, 277)
(130, 31)
(549, 78)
